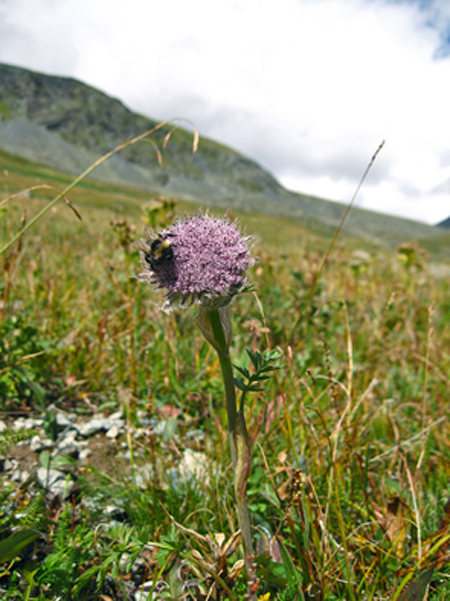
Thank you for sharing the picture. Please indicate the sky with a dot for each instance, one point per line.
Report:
(306, 88)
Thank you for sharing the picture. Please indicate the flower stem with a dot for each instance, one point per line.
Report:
(240, 450)
(230, 399)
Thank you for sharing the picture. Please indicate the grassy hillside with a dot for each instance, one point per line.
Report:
(365, 228)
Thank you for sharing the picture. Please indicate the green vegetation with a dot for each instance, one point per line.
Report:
(351, 457)
(5, 111)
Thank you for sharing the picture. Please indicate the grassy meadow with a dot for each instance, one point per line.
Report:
(349, 490)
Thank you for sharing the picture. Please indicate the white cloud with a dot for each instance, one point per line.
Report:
(33, 35)
(308, 89)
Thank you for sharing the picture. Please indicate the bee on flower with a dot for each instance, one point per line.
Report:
(198, 260)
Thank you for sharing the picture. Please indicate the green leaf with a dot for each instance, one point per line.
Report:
(417, 590)
(84, 579)
(62, 461)
(45, 459)
(244, 371)
(239, 383)
(13, 545)
(290, 571)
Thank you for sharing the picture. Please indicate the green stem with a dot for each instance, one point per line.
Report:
(240, 450)
(131, 322)
(230, 399)
(227, 374)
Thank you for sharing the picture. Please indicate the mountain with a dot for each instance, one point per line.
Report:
(66, 124)
(445, 223)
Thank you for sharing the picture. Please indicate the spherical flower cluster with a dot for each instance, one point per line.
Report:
(206, 265)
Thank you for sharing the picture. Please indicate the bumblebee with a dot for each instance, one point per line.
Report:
(157, 249)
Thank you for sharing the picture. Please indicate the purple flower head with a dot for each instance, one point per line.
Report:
(199, 259)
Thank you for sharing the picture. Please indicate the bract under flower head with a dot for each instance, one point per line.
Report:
(208, 260)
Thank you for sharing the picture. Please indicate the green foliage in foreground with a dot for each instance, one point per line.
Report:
(351, 456)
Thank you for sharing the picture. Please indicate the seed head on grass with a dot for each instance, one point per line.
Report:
(206, 263)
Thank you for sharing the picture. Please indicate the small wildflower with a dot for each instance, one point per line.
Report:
(206, 264)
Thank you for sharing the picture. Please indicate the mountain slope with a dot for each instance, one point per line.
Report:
(69, 125)
(445, 223)
(66, 124)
